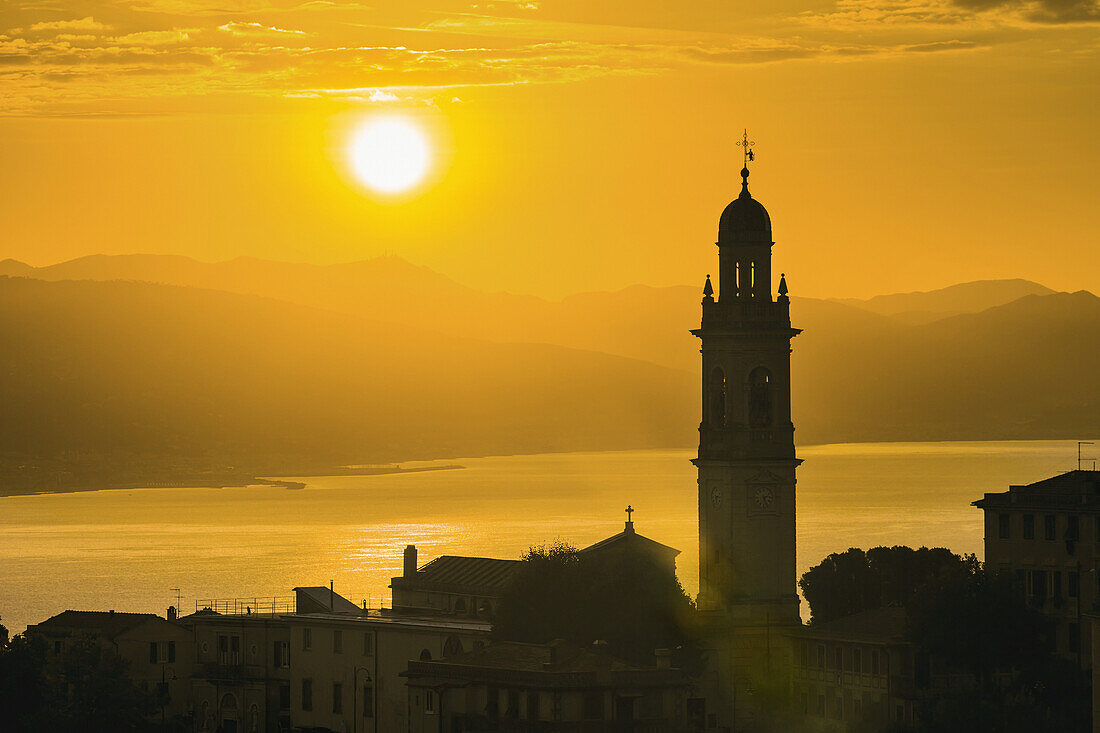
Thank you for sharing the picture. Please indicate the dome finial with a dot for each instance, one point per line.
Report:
(747, 146)
(783, 284)
(708, 289)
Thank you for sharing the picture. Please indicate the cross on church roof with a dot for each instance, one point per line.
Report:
(629, 511)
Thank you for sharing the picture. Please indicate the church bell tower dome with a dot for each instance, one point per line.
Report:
(745, 219)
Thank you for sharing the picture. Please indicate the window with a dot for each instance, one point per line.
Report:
(804, 657)
(1073, 528)
(281, 657)
(307, 694)
(821, 705)
(1073, 587)
(1048, 527)
(368, 701)
(337, 698)
(57, 647)
(425, 655)
(857, 661)
(718, 398)
(429, 701)
(1029, 526)
(171, 652)
(1003, 526)
(857, 708)
(821, 656)
(760, 398)
(307, 639)
(874, 662)
(229, 649)
(532, 706)
(594, 707)
(838, 659)
(368, 644)
(337, 642)
(284, 697)
(152, 652)
(1056, 584)
(1074, 638)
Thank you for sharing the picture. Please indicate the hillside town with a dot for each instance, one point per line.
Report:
(457, 650)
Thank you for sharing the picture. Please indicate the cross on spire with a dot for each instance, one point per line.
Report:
(747, 144)
(629, 511)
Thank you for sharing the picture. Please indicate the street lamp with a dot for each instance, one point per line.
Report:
(355, 696)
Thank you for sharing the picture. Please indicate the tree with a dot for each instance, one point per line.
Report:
(849, 582)
(629, 601)
(101, 697)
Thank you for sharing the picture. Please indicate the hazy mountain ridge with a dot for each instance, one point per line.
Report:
(115, 367)
(1021, 368)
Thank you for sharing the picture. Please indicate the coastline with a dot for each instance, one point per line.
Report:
(225, 481)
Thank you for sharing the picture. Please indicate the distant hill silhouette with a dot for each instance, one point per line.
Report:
(116, 367)
(391, 360)
(931, 305)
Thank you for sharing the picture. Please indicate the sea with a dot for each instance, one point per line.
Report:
(146, 549)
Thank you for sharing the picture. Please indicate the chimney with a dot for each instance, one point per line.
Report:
(410, 561)
(331, 596)
(172, 613)
(664, 658)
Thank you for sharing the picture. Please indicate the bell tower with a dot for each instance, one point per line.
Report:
(746, 455)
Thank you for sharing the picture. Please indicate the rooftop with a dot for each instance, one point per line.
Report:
(1077, 488)
(107, 623)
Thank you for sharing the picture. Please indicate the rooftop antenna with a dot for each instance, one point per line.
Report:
(177, 590)
(1079, 458)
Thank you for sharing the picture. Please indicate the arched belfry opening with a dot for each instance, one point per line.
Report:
(717, 397)
(760, 398)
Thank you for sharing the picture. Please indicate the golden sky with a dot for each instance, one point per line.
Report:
(581, 144)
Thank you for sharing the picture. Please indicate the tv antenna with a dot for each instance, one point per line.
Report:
(177, 590)
(1079, 457)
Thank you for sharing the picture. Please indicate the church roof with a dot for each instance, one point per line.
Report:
(629, 537)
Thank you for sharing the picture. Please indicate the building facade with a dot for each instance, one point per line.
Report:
(1047, 534)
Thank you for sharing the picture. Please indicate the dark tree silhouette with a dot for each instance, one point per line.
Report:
(628, 601)
(977, 621)
(848, 582)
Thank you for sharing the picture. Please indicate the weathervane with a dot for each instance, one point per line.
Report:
(747, 144)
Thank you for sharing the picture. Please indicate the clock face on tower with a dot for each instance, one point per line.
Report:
(764, 498)
(716, 496)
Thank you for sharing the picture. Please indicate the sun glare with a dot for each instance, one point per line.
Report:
(390, 154)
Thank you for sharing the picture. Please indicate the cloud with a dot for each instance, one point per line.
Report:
(80, 24)
(156, 38)
(1040, 11)
(975, 14)
(237, 28)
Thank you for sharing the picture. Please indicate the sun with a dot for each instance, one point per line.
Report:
(390, 154)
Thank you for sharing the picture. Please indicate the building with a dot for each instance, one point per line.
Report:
(241, 681)
(449, 584)
(472, 586)
(746, 463)
(509, 686)
(1047, 534)
(159, 652)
